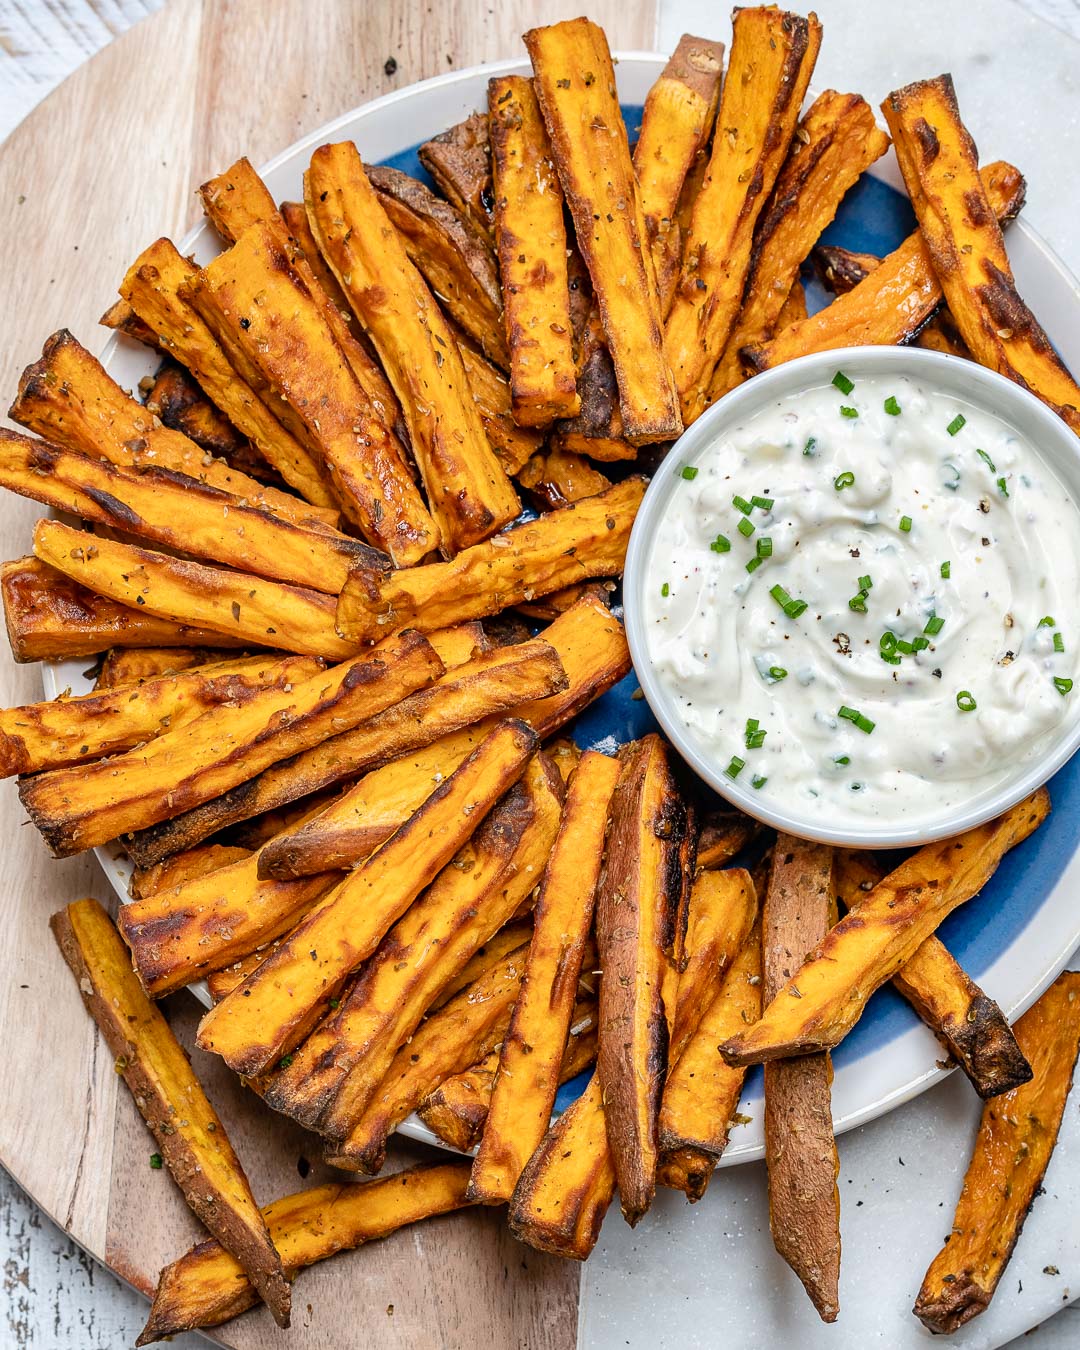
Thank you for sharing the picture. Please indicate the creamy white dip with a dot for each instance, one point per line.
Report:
(927, 559)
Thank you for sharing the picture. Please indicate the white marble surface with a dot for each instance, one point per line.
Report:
(1019, 83)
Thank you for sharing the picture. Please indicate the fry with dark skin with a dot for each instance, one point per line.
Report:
(178, 400)
(1013, 1147)
(557, 478)
(724, 834)
(190, 1136)
(459, 160)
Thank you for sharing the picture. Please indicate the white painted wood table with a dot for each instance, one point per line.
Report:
(1013, 71)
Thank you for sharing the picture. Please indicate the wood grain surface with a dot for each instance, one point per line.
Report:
(107, 163)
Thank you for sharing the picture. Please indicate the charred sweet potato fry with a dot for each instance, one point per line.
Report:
(1016, 1138)
(184, 867)
(335, 1074)
(81, 807)
(207, 1286)
(468, 490)
(179, 401)
(558, 478)
(530, 236)
(772, 58)
(641, 915)
(959, 226)
(587, 539)
(942, 335)
(191, 1137)
(255, 1024)
(49, 617)
(893, 301)
(724, 834)
(834, 144)
(490, 393)
(825, 998)
(841, 269)
(249, 610)
(532, 1049)
(459, 160)
(574, 81)
(66, 397)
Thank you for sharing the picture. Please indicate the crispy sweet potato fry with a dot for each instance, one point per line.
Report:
(255, 1024)
(468, 491)
(334, 1076)
(133, 665)
(530, 237)
(893, 301)
(587, 539)
(84, 806)
(183, 867)
(942, 335)
(294, 214)
(179, 401)
(793, 310)
(574, 82)
(67, 398)
(206, 1286)
(532, 1049)
(835, 143)
(247, 609)
(641, 915)
(558, 478)
(959, 226)
(826, 997)
(490, 392)
(459, 160)
(71, 730)
(49, 617)
(489, 953)
(772, 58)
(723, 835)
(191, 1137)
(121, 318)
(841, 269)
(1016, 1138)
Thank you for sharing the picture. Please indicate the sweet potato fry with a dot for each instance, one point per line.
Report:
(834, 144)
(294, 214)
(206, 1286)
(587, 539)
(191, 1137)
(574, 81)
(179, 401)
(793, 310)
(530, 236)
(822, 1002)
(249, 610)
(841, 269)
(121, 318)
(942, 335)
(335, 1074)
(490, 393)
(772, 57)
(133, 665)
(459, 160)
(959, 226)
(255, 1024)
(467, 488)
(488, 954)
(84, 806)
(893, 301)
(66, 397)
(641, 915)
(71, 730)
(532, 1049)
(724, 834)
(184, 867)
(558, 478)
(1016, 1138)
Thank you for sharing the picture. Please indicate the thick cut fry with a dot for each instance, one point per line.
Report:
(490, 393)
(959, 226)
(294, 214)
(970, 1025)
(133, 665)
(184, 867)
(334, 1076)
(49, 617)
(794, 308)
(71, 730)
(772, 58)
(247, 610)
(587, 539)
(180, 513)
(179, 401)
(82, 807)
(498, 682)
(724, 834)
(488, 954)
(826, 997)
(835, 143)
(259, 1021)
(191, 1137)
(893, 301)
(558, 479)
(530, 236)
(597, 430)
(574, 81)
(67, 397)
(641, 916)
(468, 491)
(206, 1286)
(459, 160)
(532, 1049)
(1014, 1144)
(942, 335)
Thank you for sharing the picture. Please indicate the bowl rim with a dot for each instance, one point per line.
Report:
(984, 388)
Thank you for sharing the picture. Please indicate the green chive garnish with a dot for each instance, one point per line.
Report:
(904, 647)
(810, 446)
(792, 608)
(688, 472)
(892, 659)
(965, 701)
(853, 715)
(735, 767)
(758, 781)
(1047, 622)
(155, 1161)
(946, 570)
(858, 603)
(847, 411)
(1062, 685)
(754, 564)
(841, 381)
(755, 736)
(892, 407)
(741, 504)
(1003, 487)
(665, 590)
(934, 624)
(841, 759)
(956, 424)
(887, 641)
(1059, 643)
(746, 527)
(762, 503)
(721, 544)
(764, 547)
(987, 460)
(844, 480)
(920, 644)
(777, 673)
(905, 524)
(865, 584)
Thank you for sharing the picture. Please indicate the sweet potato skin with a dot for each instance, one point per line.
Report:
(459, 160)
(1016, 1138)
(179, 401)
(724, 835)
(190, 1136)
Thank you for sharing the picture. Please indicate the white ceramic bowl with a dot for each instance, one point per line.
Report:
(983, 388)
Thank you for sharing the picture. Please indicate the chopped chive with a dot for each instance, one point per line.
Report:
(810, 446)
(735, 767)
(892, 407)
(777, 673)
(934, 624)
(844, 480)
(746, 527)
(792, 608)
(951, 483)
(721, 544)
(904, 647)
(841, 759)
(858, 603)
(847, 411)
(1062, 685)
(920, 644)
(887, 641)
(905, 524)
(987, 460)
(890, 658)
(956, 424)
(758, 781)
(841, 382)
(764, 547)
(665, 590)
(1059, 643)
(1047, 622)
(762, 503)
(754, 564)
(741, 504)
(946, 570)
(755, 736)
(865, 584)
(155, 1161)
(853, 715)
(1003, 487)
(965, 701)
(688, 472)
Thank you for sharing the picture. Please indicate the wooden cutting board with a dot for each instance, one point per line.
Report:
(105, 165)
